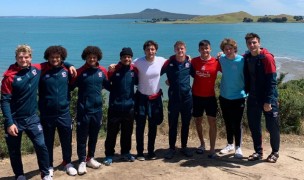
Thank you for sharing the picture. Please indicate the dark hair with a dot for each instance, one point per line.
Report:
(204, 43)
(55, 50)
(252, 35)
(91, 50)
(150, 43)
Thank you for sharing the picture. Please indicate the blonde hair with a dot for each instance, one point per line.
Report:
(23, 48)
(230, 42)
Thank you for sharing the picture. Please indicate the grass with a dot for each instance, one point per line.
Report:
(236, 17)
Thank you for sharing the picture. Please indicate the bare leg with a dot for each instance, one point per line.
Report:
(199, 129)
(212, 132)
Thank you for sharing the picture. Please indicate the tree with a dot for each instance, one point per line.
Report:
(247, 19)
(264, 19)
(298, 18)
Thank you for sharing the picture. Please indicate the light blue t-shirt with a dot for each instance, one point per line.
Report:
(232, 83)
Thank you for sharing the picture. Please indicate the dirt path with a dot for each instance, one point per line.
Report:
(289, 166)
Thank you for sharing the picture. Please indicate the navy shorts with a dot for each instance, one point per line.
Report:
(201, 104)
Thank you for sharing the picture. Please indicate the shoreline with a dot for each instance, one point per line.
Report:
(293, 68)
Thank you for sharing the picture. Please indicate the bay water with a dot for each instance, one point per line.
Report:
(284, 40)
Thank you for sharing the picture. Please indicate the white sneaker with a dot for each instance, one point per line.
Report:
(82, 168)
(48, 177)
(51, 171)
(92, 163)
(70, 170)
(227, 149)
(21, 177)
(238, 152)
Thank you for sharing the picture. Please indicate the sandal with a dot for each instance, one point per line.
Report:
(200, 150)
(273, 157)
(212, 156)
(255, 157)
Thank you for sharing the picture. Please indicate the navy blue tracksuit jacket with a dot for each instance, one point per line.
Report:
(121, 108)
(180, 98)
(261, 84)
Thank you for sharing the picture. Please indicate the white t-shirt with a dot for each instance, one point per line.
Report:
(149, 74)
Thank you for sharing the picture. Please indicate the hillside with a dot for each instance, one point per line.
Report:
(236, 17)
(145, 14)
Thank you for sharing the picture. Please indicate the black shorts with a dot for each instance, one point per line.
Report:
(201, 104)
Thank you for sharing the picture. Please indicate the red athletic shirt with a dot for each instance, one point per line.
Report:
(205, 76)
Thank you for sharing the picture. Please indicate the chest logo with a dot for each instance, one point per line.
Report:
(19, 79)
(47, 75)
(84, 75)
(117, 74)
(100, 74)
(34, 72)
(64, 74)
(187, 65)
(132, 74)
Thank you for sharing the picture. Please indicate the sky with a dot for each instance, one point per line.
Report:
(109, 7)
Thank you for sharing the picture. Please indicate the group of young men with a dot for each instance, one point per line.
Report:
(251, 76)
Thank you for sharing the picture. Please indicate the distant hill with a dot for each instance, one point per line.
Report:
(236, 17)
(145, 14)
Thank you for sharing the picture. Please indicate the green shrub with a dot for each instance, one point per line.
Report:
(291, 106)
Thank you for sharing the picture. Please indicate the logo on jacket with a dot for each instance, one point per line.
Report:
(40, 127)
(47, 75)
(117, 74)
(187, 65)
(203, 68)
(19, 79)
(132, 74)
(64, 74)
(84, 75)
(34, 72)
(100, 74)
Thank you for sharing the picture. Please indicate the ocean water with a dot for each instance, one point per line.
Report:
(284, 40)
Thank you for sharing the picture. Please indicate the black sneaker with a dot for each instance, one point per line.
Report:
(186, 152)
(152, 156)
(170, 154)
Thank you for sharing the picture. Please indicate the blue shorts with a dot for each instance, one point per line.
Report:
(201, 104)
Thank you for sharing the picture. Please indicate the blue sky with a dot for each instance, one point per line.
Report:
(107, 7)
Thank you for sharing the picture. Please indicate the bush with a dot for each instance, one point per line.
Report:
(291, 106)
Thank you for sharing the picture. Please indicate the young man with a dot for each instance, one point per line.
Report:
(19, 107)
(148, 100)
(204, 71)
(261, 84)
(54, 105)
(121, 107)
(91, 79)
(232, 95)
(177, 69)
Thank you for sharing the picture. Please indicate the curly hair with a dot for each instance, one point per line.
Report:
(91, 50)
(55, 50)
